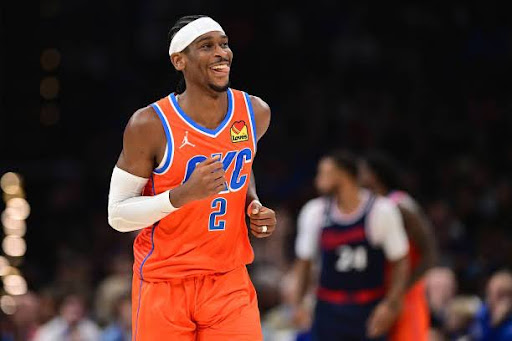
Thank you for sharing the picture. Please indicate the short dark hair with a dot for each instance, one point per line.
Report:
(180, 23)
(385, 169)
(344, 160)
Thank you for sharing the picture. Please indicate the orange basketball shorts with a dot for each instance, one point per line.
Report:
(210, 307)
(414, 321)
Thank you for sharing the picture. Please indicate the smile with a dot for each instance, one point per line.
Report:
(221, 68)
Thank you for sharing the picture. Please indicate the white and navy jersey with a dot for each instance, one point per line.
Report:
(353, 248)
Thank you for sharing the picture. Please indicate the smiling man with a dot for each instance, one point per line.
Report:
(184, 179)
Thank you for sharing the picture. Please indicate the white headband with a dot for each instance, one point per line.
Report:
(191, 31)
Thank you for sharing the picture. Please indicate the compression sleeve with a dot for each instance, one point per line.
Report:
(128, 210)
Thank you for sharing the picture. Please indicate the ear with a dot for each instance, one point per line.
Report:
(178, 61)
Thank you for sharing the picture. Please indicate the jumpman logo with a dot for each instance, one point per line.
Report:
(186, 142)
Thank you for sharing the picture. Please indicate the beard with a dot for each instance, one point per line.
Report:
(218, 88)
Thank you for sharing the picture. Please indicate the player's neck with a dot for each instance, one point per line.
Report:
(348, 198)
(206, 108)
(381, 190)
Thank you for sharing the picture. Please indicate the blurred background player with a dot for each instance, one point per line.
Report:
(184, 179)
(380, 173)
(356, 233)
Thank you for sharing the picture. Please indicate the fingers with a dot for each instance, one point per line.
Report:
(372, 327)
(262, 230)
(209, 161)
(213, 174)
(263, 223)
(255, 208)
(379, 321)
(211, 165)
(258, 224)
(260, 235)
(263, 213)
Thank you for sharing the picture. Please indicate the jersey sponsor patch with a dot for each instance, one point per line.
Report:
(239, 132)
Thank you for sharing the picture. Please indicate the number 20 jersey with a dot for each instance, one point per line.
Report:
(209, 235)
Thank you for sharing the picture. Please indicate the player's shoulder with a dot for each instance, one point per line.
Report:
(144, 123)
(404, 200)
(144, 116)
(259, 105)
(384, 205)
(262, 114)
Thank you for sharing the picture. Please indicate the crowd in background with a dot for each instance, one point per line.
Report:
(428, 84)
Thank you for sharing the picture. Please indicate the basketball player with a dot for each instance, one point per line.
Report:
(379, 173)
(184, 179)
(356, 233)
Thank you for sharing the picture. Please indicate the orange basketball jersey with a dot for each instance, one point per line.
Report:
(209, 235)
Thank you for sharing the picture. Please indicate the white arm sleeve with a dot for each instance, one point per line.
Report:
(386, 229)
(309, 223)
(128, 210)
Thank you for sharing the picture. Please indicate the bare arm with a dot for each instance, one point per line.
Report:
(420, 233)
(384, 315)
(251, 191)
(262, 219)
(143, 142)
(387, 220)
(398, 282)
(302, 272)
(262, 118)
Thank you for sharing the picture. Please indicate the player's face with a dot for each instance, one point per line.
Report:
(366, 176)
(209, 61)
(327, 177)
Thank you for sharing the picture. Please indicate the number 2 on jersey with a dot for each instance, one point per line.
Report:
(219, 206)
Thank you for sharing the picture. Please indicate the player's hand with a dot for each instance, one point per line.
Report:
(208, 178)
(301, 318)
(500, 311)
(381, 319)
(262, 220)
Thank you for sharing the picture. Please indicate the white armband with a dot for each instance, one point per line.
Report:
(128, 210)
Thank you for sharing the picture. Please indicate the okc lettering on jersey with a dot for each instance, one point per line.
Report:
(239, 157)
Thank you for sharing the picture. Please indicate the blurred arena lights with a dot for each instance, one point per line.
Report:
(14, 246)
(17, 209)
(49, 87)
(15, 285)
(8, 220)
(50, 59)
(10, 183)
(15, 228)
(8, 305)
(4, 266)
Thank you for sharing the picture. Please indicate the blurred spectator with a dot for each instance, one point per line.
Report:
(121, 327)
(112, 287)
(274, 250)
(280, 322)
(26, 317)
(494, 319)
(71, 324)
(460, 314)
(441, 288)
(47, 304)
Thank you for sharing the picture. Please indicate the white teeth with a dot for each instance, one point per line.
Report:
(219, 67)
